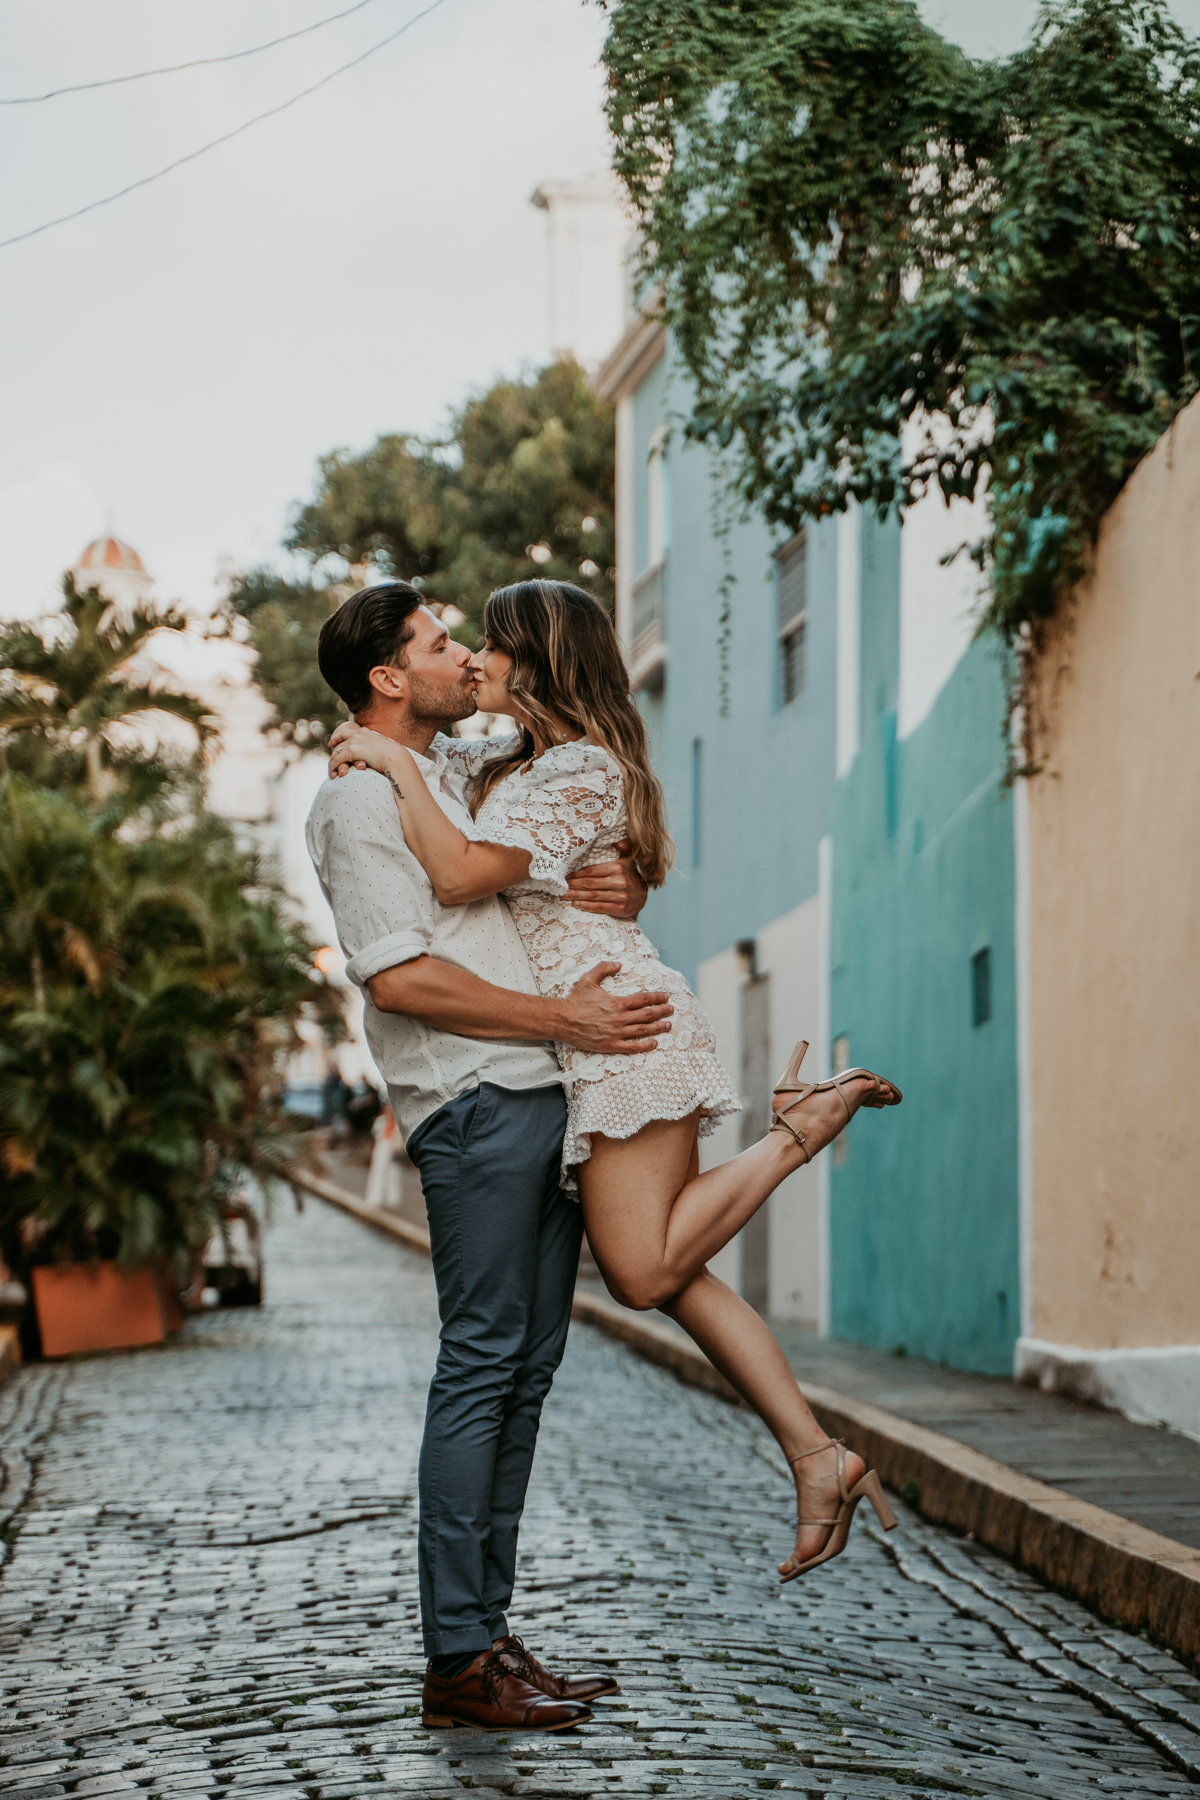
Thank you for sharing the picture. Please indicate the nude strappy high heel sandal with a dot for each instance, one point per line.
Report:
(788, 1084)
(867, 1487)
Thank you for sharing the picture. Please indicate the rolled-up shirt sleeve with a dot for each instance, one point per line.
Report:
(375, 888)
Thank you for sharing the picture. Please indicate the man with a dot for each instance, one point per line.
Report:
(463, 1040)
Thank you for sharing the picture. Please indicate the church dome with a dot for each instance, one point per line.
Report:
(108, 554)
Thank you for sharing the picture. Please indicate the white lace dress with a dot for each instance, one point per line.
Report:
(567, 808)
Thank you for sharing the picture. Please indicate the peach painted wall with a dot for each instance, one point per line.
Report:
(1114, 930)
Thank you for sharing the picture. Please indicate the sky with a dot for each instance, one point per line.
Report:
(176, 362)
(353, 266)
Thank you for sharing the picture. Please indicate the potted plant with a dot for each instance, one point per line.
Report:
(144, 979)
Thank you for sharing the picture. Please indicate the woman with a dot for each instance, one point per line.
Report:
(559, 795)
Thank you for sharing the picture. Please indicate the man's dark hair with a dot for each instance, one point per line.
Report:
(371, 627)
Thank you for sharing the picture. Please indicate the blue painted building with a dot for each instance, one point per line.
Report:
(829, 735)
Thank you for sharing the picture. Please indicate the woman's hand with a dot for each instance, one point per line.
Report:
(355, 747)
(459, 871)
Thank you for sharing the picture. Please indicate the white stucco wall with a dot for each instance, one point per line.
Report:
(717, 983)
(939, 605)
(789, 951)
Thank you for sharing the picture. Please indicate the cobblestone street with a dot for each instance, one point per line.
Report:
(210, 1587)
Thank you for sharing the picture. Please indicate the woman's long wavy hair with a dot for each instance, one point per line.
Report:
(568, 670)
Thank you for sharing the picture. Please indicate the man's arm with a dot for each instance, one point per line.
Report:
(452, 999)
(613, 888)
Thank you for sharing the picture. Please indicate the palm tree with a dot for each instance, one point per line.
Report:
(71, 686)
(149, 988)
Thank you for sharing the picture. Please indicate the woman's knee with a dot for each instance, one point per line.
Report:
(640, 1291)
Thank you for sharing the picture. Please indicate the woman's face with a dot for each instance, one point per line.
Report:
(491, 669)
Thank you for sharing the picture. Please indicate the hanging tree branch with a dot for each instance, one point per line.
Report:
(889, 266)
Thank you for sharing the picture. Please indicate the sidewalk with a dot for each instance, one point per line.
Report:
(1147, 1475)
(1100, 1508)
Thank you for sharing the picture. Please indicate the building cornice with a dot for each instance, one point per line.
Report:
(634, 356)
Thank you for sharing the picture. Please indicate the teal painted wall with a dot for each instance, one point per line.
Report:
(766, 770)
(924, 1209)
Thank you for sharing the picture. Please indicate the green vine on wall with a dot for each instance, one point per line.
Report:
(721, 511)
(890, 266)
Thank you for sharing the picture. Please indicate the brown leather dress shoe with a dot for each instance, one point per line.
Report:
(491, 1696)
(558, 1687)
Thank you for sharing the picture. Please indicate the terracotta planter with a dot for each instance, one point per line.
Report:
(101, 1306)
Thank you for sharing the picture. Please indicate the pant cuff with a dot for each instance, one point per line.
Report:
(497, 1626)
(457, 1643)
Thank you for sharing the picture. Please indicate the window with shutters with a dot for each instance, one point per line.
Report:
(792, 616)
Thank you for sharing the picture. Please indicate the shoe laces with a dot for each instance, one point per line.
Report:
(491, 1673)
(526, 1667)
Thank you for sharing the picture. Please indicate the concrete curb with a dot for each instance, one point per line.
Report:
(414, 1236)
(1127, 1574)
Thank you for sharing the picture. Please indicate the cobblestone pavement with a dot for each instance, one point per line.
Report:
(210, 1587)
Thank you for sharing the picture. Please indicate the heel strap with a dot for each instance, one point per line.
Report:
(801, 1089)
(825, 1444)
(838, 1444)
(779, 1123)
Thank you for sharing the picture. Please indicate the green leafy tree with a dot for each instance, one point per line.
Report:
(285, 619)
(68, 695)
(147, 989)
(889, 266)
(527, 467)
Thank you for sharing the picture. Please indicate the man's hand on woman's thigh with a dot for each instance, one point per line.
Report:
(613, 1024)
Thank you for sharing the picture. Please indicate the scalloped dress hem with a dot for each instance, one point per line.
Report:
(620, 1105)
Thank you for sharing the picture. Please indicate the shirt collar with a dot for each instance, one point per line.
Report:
(435, 761)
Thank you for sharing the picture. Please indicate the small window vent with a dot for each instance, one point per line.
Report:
(981, 987)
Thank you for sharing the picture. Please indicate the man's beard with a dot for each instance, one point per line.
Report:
(439, 705)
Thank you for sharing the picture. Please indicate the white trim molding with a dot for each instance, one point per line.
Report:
(628, 364)
(1157, 1385)
(849, 634)
(824, 1058)
(1025, 1101)
(626, 479)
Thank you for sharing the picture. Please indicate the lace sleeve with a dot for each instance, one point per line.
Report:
(468, 755)
(555, 808)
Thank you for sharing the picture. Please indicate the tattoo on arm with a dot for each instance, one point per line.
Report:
(395, 787)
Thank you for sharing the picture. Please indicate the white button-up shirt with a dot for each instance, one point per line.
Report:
(386, 913)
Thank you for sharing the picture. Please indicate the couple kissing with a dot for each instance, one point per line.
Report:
(550, 1076)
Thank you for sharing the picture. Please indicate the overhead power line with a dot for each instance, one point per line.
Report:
(271, 112)
(199, 62)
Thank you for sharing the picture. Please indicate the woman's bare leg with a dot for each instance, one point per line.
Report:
(728, 1330)
(653, 1222)
(741, 1345)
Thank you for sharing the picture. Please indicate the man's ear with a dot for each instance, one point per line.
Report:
(388, 682)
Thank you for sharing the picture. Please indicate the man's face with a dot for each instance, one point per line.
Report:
(441, 687)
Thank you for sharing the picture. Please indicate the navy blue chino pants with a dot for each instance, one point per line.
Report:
(505, 1242)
